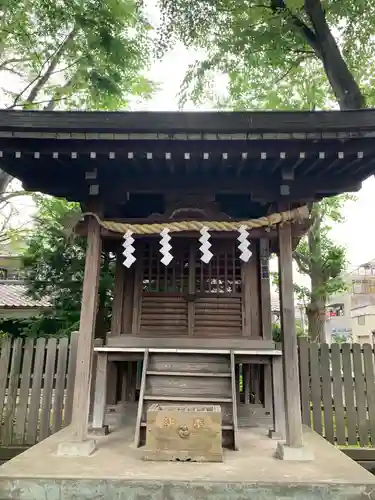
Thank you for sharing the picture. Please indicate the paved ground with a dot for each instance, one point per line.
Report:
(117, 471)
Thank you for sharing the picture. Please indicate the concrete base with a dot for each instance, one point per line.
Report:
(302, 454)
(116, 470)
(99, 431)
(76, 448)
(276, 436)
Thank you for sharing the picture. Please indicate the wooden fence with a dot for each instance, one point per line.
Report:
(37, 381)
(338, 391)
(36, 388)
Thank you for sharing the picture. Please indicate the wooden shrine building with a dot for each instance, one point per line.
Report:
(192, 204)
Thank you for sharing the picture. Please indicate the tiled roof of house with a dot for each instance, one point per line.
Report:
(14, 295)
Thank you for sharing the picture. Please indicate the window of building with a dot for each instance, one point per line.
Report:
(361, 320)
(3, 274)
(356, 286)
(334, 310)
(363, 286)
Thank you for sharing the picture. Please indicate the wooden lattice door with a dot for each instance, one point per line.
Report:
(164, 309)
(189, 297)
(218, 311)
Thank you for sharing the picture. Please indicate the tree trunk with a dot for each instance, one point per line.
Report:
(4, 181)
(316, 308)
(343, 83)
(316, 321)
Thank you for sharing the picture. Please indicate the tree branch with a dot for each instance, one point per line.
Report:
(307, 33)
(3, 65)
(5, 197)
(41, 79)
(48, 101)
(60, 94)
(294, 65)
(302, 261)
(343, 83)
(54, 61)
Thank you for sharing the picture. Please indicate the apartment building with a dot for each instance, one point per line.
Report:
(352, 313)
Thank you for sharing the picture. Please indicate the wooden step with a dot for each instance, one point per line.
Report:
(191, 379)
(187, 399)
(190, 374)
(223, 427)
(189, 363)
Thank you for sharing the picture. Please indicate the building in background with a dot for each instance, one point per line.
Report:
(351, 315)
(14, 301)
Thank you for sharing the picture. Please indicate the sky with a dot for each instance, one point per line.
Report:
(356, 233)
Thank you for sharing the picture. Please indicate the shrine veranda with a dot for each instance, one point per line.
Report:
(192, 205)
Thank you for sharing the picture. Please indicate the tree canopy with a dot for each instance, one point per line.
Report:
(89, 54)
(322, 46)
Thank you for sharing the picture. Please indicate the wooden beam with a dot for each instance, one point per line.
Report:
(289, 344)
(257, 184)
(86, 331)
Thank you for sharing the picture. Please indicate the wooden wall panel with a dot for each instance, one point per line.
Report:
(164, 314)
(218, 316)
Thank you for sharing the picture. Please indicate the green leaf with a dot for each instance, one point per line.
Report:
(74, 54)
(54, 266)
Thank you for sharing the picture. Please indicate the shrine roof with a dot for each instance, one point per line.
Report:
(170, 122)
(247, 160)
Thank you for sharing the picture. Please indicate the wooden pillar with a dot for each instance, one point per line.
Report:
(100, 391)
(265, 289)
(86, 332)
(124, 381)
(191, 289)
(245, 299)
(250, 295)
(137, 296)
(278, 398)
(266, 314)
(116, 326)
(118, 296)
(128, 296)
(293, 419)
(97, 343)
(246, 382)
(112, 382)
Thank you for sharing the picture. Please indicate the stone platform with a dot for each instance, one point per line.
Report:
(116, 471)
